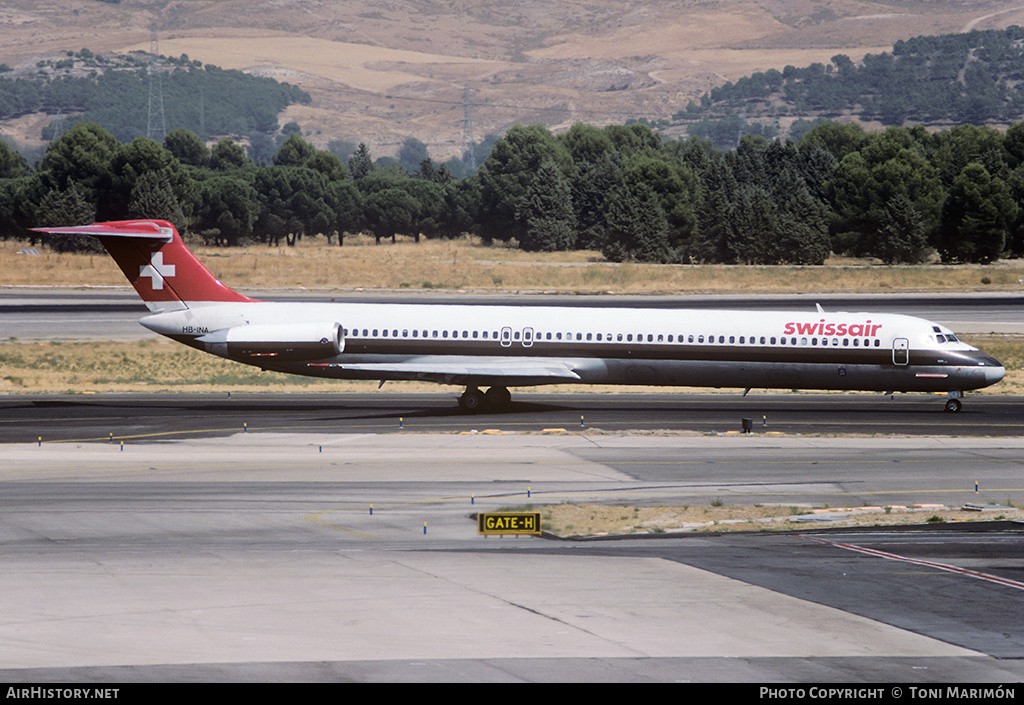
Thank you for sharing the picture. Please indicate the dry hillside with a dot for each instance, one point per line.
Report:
(381, 70)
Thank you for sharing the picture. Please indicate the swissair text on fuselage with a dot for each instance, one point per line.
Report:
(866, 329)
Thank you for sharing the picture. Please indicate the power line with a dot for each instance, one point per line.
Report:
(467, 129)
(156, 124)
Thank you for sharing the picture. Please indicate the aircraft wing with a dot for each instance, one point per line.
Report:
(466, 370)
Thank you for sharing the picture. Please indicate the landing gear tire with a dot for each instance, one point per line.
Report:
(472, 400)
(953, 406)
(498, 397)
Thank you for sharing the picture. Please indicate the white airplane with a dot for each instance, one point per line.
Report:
(499, 347)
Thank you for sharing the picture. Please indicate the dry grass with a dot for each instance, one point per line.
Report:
(575, 520)
(143, 366)
(468, 265)
(359, 66)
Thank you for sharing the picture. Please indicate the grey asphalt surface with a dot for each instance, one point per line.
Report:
(256, 557)
(130, 417)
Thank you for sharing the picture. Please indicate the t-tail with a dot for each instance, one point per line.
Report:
(152, 255)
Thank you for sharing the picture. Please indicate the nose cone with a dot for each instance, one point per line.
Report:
(991, 368)
(994, 374)
(981, 369)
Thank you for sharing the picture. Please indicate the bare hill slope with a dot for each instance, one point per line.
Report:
(381, 70)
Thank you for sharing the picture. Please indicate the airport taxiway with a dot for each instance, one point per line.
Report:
(255, 556)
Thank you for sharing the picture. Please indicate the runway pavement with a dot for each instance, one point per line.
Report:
(132, 417)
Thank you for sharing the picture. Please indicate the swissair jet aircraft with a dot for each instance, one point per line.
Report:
(512, 346)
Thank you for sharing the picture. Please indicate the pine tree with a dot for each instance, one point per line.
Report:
(975, 217)
(360, 164)
(901, 237)
(548, 212)
(67, 207)
(152, 197)
(637, 226)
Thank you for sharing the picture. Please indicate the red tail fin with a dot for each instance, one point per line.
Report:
(157, 263)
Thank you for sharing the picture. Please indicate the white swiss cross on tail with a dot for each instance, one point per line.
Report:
(156, 270)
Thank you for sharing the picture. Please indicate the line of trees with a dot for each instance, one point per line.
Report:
(969, 78)
(623, 190)
(114, 91)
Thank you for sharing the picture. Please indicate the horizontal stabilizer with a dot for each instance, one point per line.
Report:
(145, 230)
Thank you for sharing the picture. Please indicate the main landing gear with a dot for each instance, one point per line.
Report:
(953, 404)
(473, 400)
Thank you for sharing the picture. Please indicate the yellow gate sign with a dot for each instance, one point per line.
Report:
(508, 523)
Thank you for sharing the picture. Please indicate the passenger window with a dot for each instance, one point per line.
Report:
(732, 338)
(629, 337)
(772, 339)
(700, 338)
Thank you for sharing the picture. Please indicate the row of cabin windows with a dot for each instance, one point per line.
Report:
(619, 337)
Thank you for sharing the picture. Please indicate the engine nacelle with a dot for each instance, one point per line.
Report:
(288, 341)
